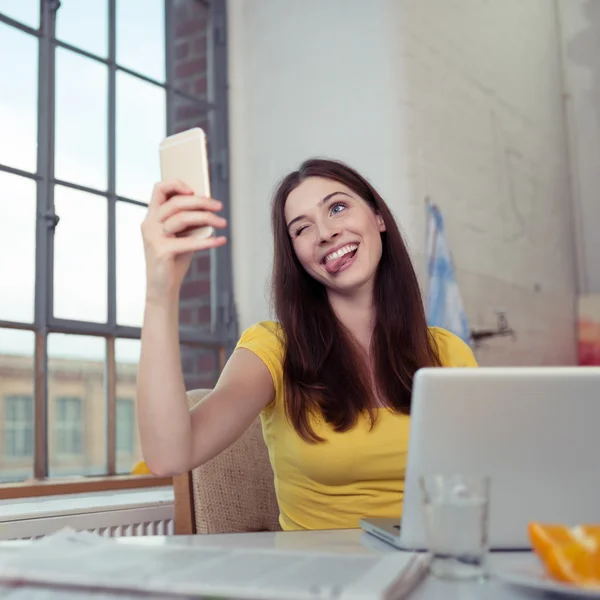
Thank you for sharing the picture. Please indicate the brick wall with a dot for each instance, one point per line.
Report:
(191, 22)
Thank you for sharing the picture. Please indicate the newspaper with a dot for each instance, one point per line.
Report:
(33, 592)
(83, 560)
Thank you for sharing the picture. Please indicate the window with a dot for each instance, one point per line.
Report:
(68, 427)
(125, 426)
(86, 95)
(18, 427)
(17, 423)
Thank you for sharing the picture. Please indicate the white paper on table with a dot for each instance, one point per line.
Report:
(28, 592)
(70, 558)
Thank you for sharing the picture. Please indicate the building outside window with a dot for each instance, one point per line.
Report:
(125, 426)
(18, 427)
(68, 426)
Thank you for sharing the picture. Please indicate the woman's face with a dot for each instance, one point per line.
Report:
(336, 235)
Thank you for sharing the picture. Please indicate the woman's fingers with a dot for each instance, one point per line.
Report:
(191, 219)
(185, 245)
(164, 190)
(186, 203)
(174, 210)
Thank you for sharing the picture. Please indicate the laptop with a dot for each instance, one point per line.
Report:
(535, 431)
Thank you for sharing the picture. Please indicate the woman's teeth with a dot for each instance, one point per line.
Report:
(341, 252)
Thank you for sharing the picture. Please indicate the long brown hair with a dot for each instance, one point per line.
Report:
(324, 371)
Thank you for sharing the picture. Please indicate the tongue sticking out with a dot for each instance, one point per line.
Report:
(333, 266)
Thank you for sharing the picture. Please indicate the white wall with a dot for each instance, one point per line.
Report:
(307, 78)
(580, 29)
(457, 100)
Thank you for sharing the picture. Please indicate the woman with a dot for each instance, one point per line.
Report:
(331, 380)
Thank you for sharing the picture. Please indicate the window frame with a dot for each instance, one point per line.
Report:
(223, 331)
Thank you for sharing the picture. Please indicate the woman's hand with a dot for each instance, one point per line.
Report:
(174, 209)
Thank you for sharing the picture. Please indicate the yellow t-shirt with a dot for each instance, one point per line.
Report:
(356, 473)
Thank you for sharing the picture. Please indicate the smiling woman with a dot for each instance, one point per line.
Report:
(358, 279)
(331, 379)
(316, 234)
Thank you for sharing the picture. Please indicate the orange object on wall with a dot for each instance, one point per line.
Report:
(589, 330)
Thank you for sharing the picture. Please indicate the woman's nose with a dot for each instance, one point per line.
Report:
(327, 233)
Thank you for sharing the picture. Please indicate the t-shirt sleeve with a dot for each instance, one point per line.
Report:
(264, 340)
(453, 351)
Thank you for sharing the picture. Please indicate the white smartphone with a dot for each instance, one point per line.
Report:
(183, 156)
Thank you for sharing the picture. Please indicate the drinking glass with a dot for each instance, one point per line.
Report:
(455, 513)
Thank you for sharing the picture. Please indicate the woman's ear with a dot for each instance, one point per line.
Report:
(380, 222)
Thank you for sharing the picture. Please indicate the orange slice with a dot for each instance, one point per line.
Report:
(569, 554)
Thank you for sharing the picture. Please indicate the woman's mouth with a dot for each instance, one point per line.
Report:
(340, 259)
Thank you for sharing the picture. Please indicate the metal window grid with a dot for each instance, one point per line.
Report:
(223, 333)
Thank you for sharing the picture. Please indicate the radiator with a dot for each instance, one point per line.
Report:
(145, 518)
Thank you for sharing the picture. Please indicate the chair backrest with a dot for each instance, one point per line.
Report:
(233, 492)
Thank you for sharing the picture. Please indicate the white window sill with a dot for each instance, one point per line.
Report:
(92, 502)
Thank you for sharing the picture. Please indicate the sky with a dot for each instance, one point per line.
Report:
(81, 157)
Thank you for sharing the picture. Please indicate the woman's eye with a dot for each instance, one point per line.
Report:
(337, 208)
(300, 230)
